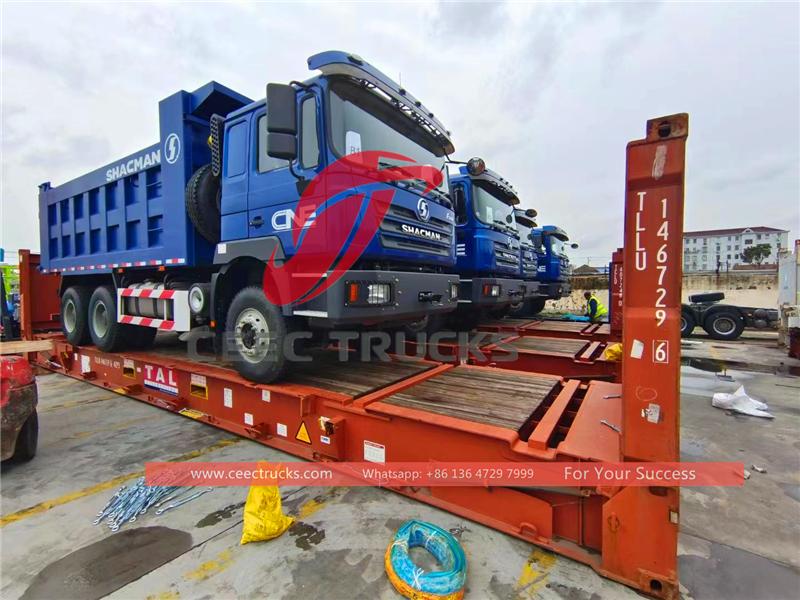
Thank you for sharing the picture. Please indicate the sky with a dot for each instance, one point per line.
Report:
(548, 94)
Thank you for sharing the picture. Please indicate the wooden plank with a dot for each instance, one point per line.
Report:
(23, 346)
(552, 345)
(353, 378)
(490, 396)
(569, 326)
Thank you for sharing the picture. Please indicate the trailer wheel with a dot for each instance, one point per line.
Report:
(27, 439)
(74, 313)
(107, 334)
(688, 323)
(724, 325)
(255, 336)
(203, 203)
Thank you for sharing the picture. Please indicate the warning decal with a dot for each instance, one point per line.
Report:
(302, 434)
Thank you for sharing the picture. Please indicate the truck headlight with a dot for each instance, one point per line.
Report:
(491, 290)
(379, 293)
(453, 291)
(368, 294)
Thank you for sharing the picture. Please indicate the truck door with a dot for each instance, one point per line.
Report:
(234, 179)
(273, 191)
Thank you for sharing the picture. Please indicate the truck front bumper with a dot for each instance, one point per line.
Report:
(530, 289)
(373, 297)
(554, 290)
(490, 292)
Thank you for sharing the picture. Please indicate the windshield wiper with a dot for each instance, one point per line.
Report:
(414, 182)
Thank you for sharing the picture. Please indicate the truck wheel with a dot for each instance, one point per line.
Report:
(107, 334)
(428, 324)
(28, 439)
(724, 325)
(535, 306)
(688, 323)
(255, 332)
(202, 203)
(74, 312)
(499, 313)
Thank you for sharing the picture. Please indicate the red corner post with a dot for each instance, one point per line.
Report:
(640, 536)
(615, 278)
(652, 299)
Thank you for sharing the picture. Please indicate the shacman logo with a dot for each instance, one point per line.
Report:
(339, 212)
(172, 148)
(420, 232)
(423, 210)
(134, 165)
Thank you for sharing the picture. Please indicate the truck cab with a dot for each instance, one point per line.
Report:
(404, 270)
(487, 241)
(553, 269)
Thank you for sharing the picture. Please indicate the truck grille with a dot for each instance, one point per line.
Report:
(434, 236)
(528, 264)
(507, 254)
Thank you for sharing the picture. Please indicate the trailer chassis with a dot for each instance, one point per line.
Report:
(628, 534)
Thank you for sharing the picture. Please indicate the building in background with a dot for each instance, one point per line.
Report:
(726, 249)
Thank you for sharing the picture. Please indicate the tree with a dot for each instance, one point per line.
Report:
(756, 254)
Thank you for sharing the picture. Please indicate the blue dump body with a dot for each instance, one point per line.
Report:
(131, 211)
(553, 268)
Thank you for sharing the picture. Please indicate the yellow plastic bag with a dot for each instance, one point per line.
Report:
(613, 352)
(263, 516)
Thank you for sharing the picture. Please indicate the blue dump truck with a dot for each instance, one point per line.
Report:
(201, 229)
(529, 260)
(487, 243)
(553, 271)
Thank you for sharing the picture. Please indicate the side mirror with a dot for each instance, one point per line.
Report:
(531, 213)
(281, 121)
(574, 246)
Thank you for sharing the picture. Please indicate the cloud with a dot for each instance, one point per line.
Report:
(547, 93)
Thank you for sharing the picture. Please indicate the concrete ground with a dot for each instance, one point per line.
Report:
(735, 542)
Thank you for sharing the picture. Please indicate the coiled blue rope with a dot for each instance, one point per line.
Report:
(442, 545)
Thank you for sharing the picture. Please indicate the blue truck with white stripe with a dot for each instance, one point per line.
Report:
(178, 235)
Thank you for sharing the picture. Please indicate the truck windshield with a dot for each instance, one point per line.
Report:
(525, 234)
(360, 121)
(491, 209)
(558, 247)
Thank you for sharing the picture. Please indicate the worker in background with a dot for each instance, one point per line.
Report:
(594, 308)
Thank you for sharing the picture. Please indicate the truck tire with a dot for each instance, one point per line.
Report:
(428, 324)
(107, 334)
(203, 203)
(74, 314)
(528, 308)
(500, 313)
(255, 335)
(688, 322)
(725, 324)
(536, 306)
(27, 439)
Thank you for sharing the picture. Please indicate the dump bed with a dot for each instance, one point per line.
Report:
(131, 211)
